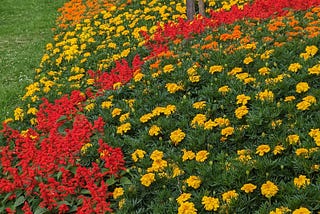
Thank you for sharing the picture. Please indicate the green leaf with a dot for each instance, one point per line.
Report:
(125, 181)
(40, 210)
(111, 181)
(85, 192)
(19, 201)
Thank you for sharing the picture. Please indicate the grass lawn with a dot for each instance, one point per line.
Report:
(25, 30)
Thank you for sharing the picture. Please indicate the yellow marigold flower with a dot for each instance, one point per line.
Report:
(194, 78)
(314, 70)
(301, 181)
(156, 155)
(117, 192)
(194, 181)
(264, 71)
(176, 171)
(248, 188)
(210, 124)
(262, 149)
(266, 95)
(289, 98)
(89, 107)
(117, 85)
(177, 136)
(125, 52)
(154, 130)
(169, 109)
(210, 203)
(158, 110)
(314, 133)
(32, 111)
(293, 139)
(183, 197)
(302, 87)
(269, 189)
(90, 81)
(121, 203)
(241, 111)
(224, 89)
(138, 77)
(278, 149)
(248, 60)
(187, 208)
(302, 152)
(311, 50)
(145, 118)
(202, 155)
(123, 128)
(18, 114)
(249, 79)
(168, 68)
(138, 154)
(147, 179)
(266, 54)
(303, 105)
(173, 87)
(215, 68)
(235, 71)
(158, 165)
(242, 99)
(294, 67)
(199, 120)
(242, 76)
(228, 196)
(112, 45)
(281, 210)
(116, 112)
(222, 121)
(85, 147)
(276, 123)
(188, 155)
(124, 117)
(199, 105)
(106, 104)
(310, 99)
(227, 131)
(301, 210)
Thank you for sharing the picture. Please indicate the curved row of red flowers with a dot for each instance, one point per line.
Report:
(41, 167)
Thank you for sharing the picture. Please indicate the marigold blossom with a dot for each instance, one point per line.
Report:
(117, 192)
(183, 197)
(202, 155)
(147, 179)
(269, 189)
(301, 181)
(248, 188)
(177, 136)
(210, 203)
(137, 154)
(301, 210)
(262, 149)
(302, 87)
(194, 181)
(229, 196)
(187, 208)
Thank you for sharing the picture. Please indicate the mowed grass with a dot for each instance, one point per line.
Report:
(25, 28)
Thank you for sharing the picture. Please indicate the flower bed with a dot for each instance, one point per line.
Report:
(218, 114)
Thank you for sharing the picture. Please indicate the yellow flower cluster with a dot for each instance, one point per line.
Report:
(169, 109)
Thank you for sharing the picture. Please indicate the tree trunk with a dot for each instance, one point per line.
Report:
(201, 7)
(190, 9)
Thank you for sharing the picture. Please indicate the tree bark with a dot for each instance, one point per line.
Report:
(190, 9)
(201, 7)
